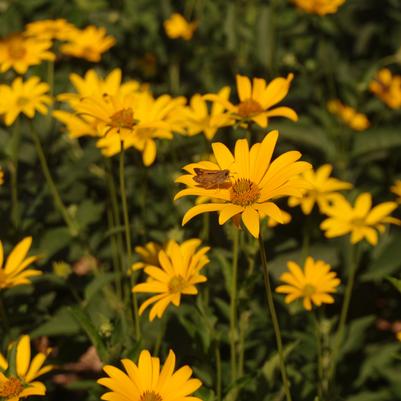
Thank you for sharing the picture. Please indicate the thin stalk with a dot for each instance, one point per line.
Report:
(218, 369)
(273, 314)
(128, 240)
(73, 228)
(354, 262)
(16, 140)
(320, 370)
(233, 308)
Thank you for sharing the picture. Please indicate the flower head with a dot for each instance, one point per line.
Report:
(177, 272)
(198, 118)
(21, 382)
(19, 52)
(50, 29)
(89, 43)
(1, 176)
(314, 283)
(387, 87)
(145, 381)
(178, 27)
(257, 99)
(251, 181)
(348, 115)
(320, 7)
(23, 97)
(361, 220)
(15, 271)
(396, 189)
(321, 189)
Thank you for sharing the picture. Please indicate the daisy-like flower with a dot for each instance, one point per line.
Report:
(320, 7)
(19, 52)
(322, 189)
(1, 176)
(396, 189)
(176, 274)
(198, 119)
(314, 283)
(387, 87)
(361, 221)
(21, 383)
(257, 99)
(178, 27)
(89, 43)
(253, 181)
(23, 97)
(15, 271)
(147, 382)
(59, 29)
(348, 115)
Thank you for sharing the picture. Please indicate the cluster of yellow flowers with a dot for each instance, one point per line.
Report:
(387, 87)
(320, 7)
(348, 115)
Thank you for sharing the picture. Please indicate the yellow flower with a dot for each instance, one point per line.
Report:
(89, 43)
(314, 283)
(321, 189)
(50, 29)
(348, 115)
(320, 7)
(178, 27)
(361, 221)
(147, 382)
(19, 52)
(387, 87)
(176, 273)
(257, 99)
(396, 189)
(1, 176)
(398, 336)
(198, 119)
(23, 97)
(21, 384)
(15, 271)
(254, 180)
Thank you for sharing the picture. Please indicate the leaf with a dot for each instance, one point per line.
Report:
(54, 240)
(97, 284)
(89, 212)
(396, 283)
(356, 334)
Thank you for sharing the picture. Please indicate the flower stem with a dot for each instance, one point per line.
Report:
(72, 226)
(16, 140)
(128, 240)
(273, 314)
(218, 369)
(320, 371)
(233, 308)
(354, 262)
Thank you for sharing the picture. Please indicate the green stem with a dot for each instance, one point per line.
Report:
(354, 262)
(320, 370)
(273, 314)
(233, 308)
(128, 240)
(218, 369)
(73, 228)
(16, 140)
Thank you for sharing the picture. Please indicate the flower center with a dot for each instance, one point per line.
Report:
(150, 396)
(309, 290)
(249, 107)
(22, 101)
(176, 284)
(123, 119)
(11, 388)
(244, 192)
(358, 221)
(16, 49)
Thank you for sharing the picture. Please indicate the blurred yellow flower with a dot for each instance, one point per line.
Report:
(178, 27)
(398, 336)
(51, 29)
(19, 52)
(361, 221)
(20, 383)
(257, 99)
(177, 273)
(15, 271)
(198, 119)
(23, 97)
(252, 180)
(314, 283)
(89, 43)
(387, 87)
(321, 189)
(1, 176)
(147, 382)
(320, 7)
(396, 189)
(348, 115)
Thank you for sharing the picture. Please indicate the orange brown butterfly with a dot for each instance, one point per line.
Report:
(209, 179)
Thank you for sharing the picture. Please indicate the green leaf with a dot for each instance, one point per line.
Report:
(356, 334)
(376, 140)
(396, 283)
(97, 284)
